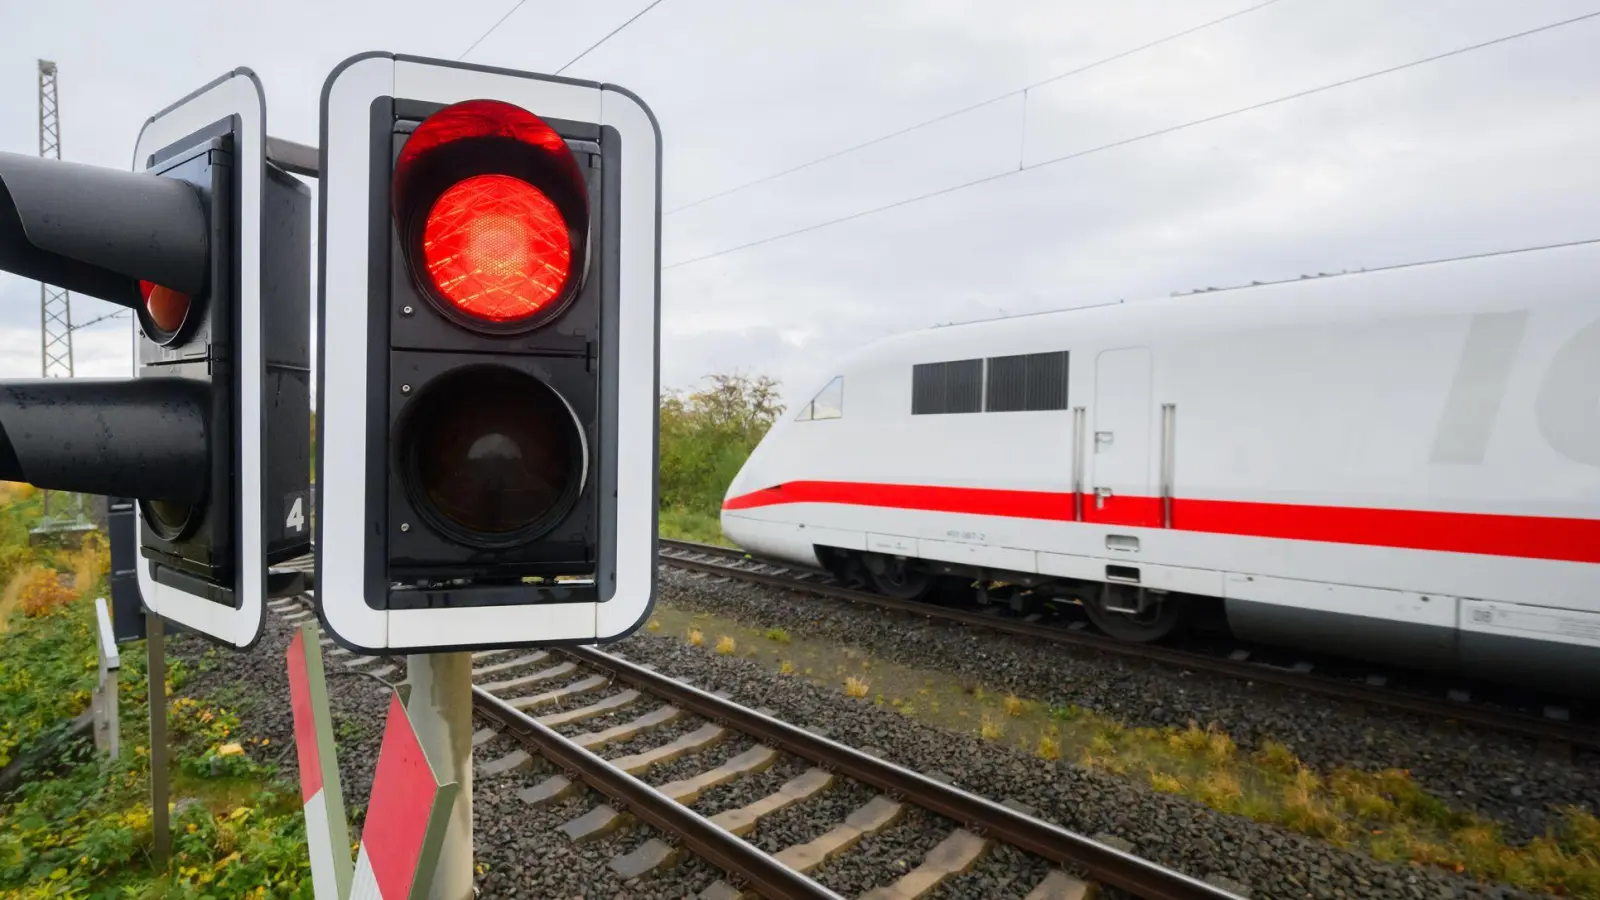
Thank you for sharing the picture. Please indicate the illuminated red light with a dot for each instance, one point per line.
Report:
(167, 307)
(497, 248)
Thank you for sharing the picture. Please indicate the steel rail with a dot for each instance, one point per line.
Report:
(1102, 863)
(742, 860)
(1522, 724)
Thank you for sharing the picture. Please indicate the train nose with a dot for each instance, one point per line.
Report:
(736, 528)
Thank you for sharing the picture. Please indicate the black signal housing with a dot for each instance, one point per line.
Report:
(443, 362)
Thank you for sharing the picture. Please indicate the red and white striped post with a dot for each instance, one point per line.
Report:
(327, 834)
(406, 817)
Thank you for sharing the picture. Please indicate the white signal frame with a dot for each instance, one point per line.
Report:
(238, 94)
(344, 223)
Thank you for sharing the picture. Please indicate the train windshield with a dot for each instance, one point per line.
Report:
(827, 404)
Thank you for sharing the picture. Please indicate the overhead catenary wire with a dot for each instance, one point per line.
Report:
(497, 24)
(1079, 154)
(98, 319)
(1021, 91)
(613, 33)
(1485, 254)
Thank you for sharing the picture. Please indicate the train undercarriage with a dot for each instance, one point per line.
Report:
(1125, 611)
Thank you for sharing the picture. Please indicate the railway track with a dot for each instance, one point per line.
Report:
(1553, 728)
(583, 686)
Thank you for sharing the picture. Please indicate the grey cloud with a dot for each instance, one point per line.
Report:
(1487, 151)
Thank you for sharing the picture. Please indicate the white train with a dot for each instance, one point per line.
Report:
(1402, 465)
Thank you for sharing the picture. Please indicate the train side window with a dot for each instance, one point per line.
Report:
(947, 387)
(827, 404)
(1032, 381)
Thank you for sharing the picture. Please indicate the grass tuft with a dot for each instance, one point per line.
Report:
(1212, 744)
(1166, 784)
(778, 634)
(1013, 705)
(990, 728)
(786, 668)
(726, 645)
(1276, 757)
(696, 637)
(855, 686)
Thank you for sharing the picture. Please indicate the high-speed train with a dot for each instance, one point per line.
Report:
(1401, 465)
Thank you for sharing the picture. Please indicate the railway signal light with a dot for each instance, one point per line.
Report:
(487, 366)
(208, 244)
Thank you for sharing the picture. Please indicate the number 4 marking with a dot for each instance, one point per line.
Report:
(294, 522)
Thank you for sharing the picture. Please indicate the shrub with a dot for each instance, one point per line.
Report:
(44, 592)
(706, 436)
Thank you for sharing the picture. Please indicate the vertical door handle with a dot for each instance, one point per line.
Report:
(1101, 494)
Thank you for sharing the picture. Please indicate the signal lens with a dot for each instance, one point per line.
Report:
(497, 248)
(168, 519)
(167, 307)
(494, 454)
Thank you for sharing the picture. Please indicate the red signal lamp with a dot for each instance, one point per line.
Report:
(166, 308)
(497, 248)
(492, 209)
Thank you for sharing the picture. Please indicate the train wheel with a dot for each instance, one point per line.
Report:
(896, 578)
(1136, 615)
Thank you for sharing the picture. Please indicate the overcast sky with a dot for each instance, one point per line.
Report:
(1487, 150)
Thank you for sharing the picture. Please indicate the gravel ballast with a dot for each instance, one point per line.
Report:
(1502, 777)
(1268, 860)
(522, 853)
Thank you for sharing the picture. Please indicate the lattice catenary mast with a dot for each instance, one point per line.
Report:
(55, 309)
(55, 306)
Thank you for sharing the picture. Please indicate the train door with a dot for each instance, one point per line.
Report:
(1120, 482)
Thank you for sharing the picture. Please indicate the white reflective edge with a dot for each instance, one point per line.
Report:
(109, 655)
(636, 361)
(236, 94)
(341, 531)
(342, 376)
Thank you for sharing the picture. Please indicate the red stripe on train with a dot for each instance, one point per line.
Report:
(1531, 537)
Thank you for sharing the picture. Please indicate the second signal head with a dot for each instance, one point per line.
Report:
(492, 211)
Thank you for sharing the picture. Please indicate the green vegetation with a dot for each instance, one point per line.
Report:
(47, 668)
(1385, 813)
(706, 435)
(81, 828)
(19, 510)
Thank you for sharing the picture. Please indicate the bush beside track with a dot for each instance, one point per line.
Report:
(706, 435)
